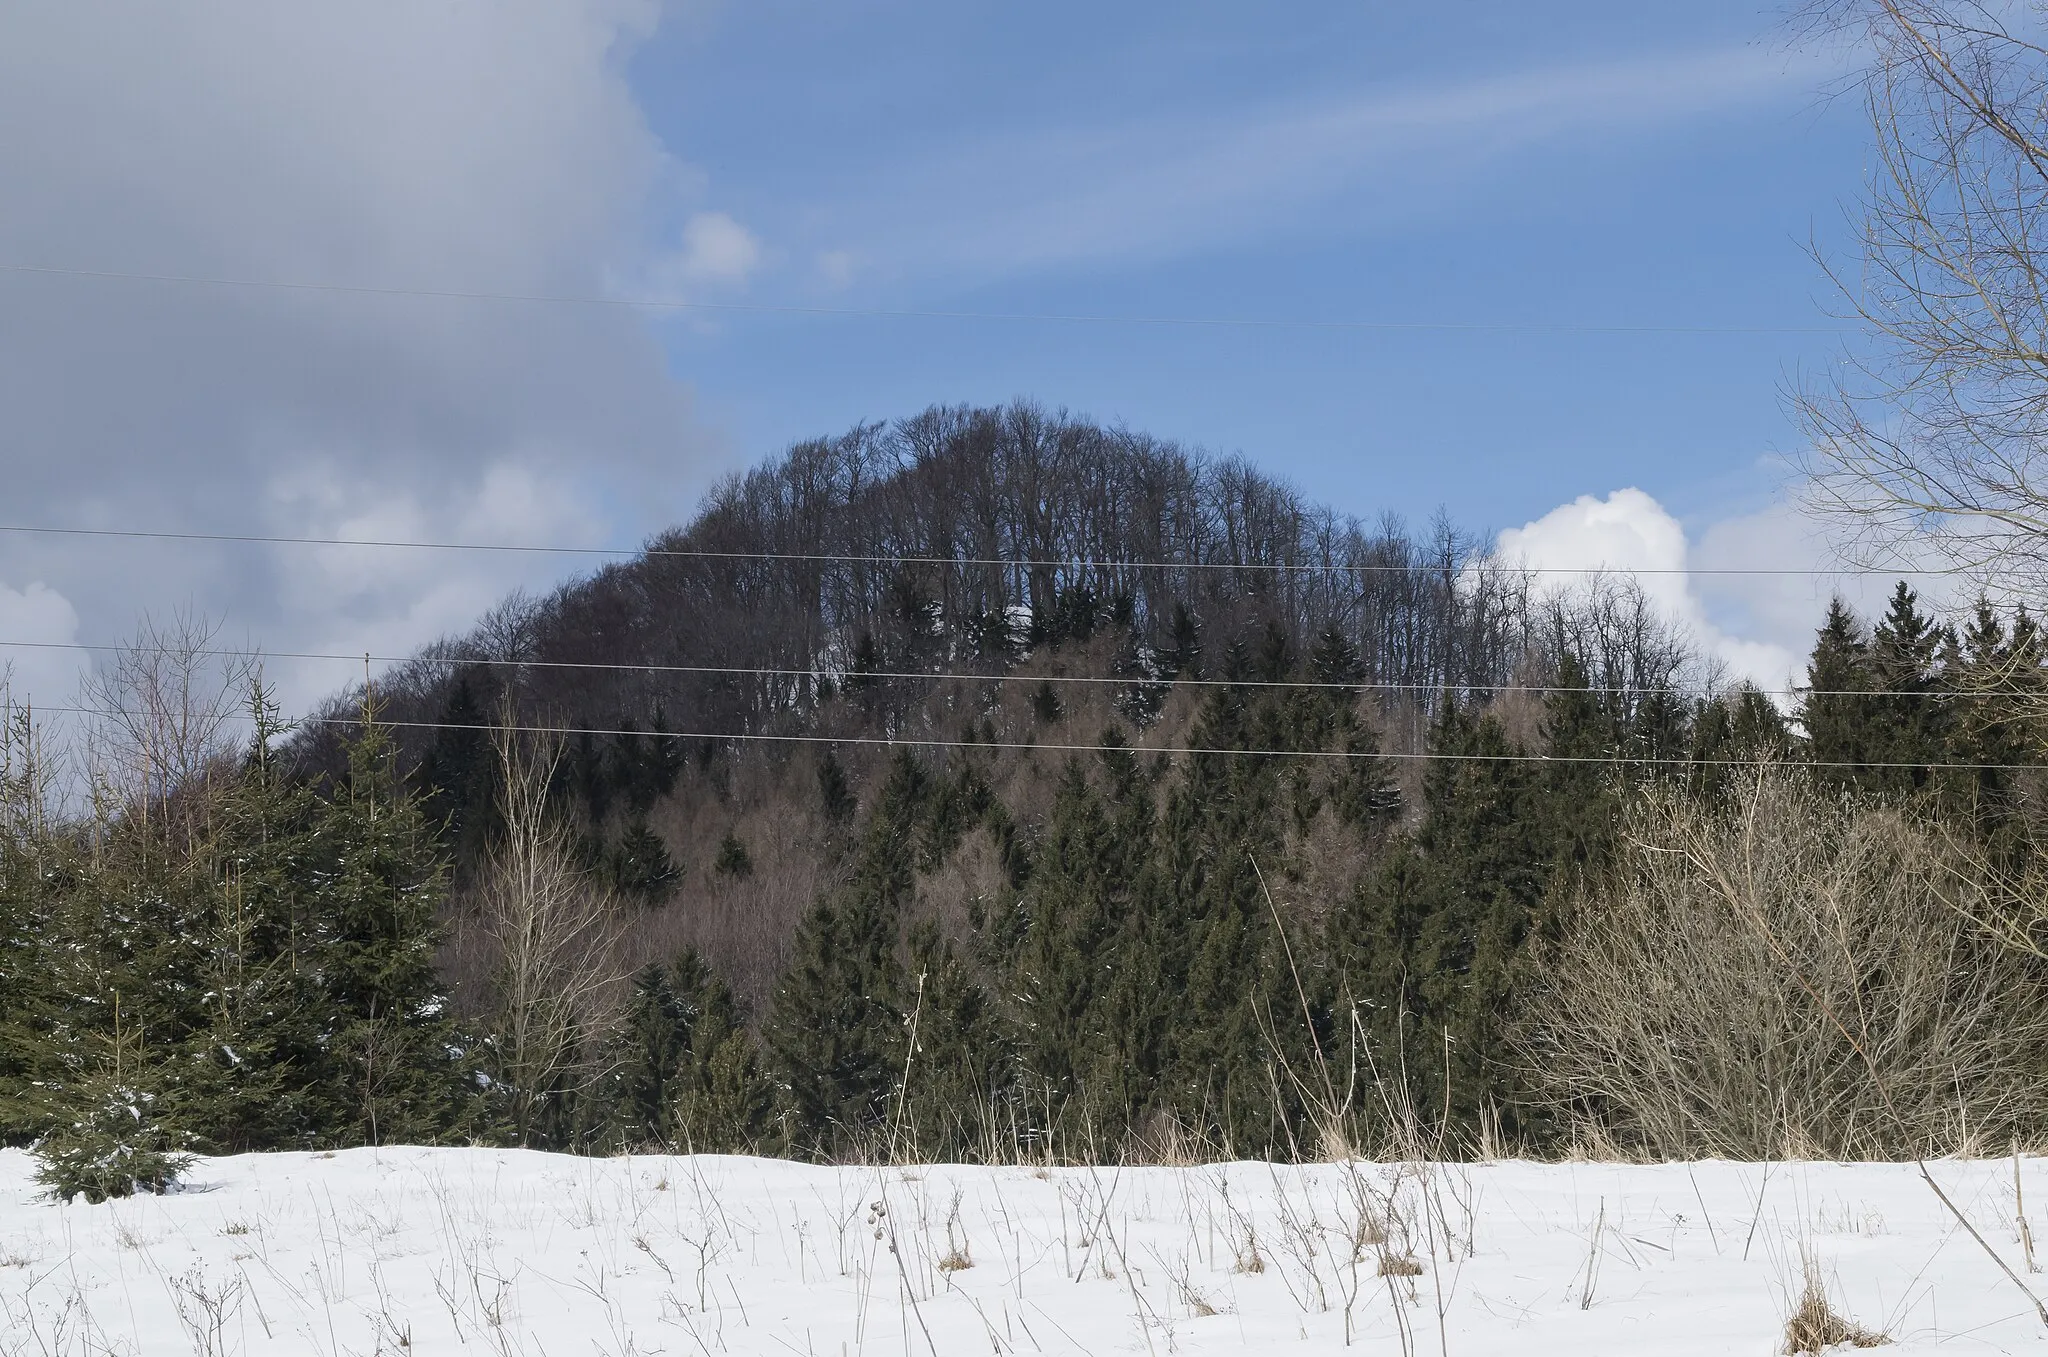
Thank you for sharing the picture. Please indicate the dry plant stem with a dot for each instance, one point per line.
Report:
(1593, 1258)
(1741, 902)
(1332, 1109)
(2019, 1211)
(881, 1177)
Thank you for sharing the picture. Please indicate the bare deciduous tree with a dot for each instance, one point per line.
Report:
(161, 715)
(551, 933)
(1933, 437)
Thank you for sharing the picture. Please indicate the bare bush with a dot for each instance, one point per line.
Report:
(1788, 975)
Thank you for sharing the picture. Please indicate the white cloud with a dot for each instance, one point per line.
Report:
(1629, 532)
(464, 145)
(40, 616)
(717, 249)
(389, 602)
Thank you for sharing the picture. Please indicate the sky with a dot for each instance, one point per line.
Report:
(1545, 268)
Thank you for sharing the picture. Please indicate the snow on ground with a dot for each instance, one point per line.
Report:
(412, 1251)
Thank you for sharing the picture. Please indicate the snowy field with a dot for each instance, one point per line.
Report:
(405, 1251)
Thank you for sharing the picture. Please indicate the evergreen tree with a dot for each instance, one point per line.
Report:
(836, 1028)
(1046, 704)
(1907, 725)
(1433, 949)
(36, 860)
(1834, 712)
(733, 859)
(1180, 655)
(835, 790)
(458, 774)
(398, 1058)
(683, 1072)
(959, 1072)
(641, 866)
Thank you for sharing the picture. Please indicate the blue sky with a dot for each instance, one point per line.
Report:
(1478, 163)
(1567, 164)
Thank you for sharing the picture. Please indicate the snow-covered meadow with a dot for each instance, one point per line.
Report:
(420, 1251)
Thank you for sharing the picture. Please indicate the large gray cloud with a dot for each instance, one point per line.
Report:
(459, 145)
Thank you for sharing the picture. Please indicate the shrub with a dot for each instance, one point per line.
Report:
(1787, 974)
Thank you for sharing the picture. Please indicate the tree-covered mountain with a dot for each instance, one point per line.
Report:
(988, 784)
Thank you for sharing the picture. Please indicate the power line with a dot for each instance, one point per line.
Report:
(1012, 563)
(1132, 680)
(916, 742)
(1066, 318)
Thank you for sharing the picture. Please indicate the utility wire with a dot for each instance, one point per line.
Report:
(1133, 680)
(1054, 563)
(918, 742)
(1071, 318)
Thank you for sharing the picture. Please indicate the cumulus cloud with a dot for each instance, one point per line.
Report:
(1630, 533)
(717, 249)
(462, 146)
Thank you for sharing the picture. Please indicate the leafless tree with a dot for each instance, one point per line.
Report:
(161, 714)
(551, 932)
(1931, 438)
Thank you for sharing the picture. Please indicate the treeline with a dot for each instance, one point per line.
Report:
(1402, 861)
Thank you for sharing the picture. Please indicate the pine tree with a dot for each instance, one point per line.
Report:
(1062, 961)
(247, 1076)
(36, 858)
(1484, 865)
(683, 1072)
(457, 775)
(958, 1073)
(1180, 655)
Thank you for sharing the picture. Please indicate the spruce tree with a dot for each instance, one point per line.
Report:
(1180, 653)
(835, 790)
(836, 1028)
(683, 1071)
(1908, 723)
(733, 859)
(1834, 713)
(641, 867)
(399, 1065)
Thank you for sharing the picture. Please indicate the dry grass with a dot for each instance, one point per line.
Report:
(1814, 1327)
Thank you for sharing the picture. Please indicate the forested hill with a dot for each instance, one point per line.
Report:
(1103, 785)
(961, 575)
(963, 541)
